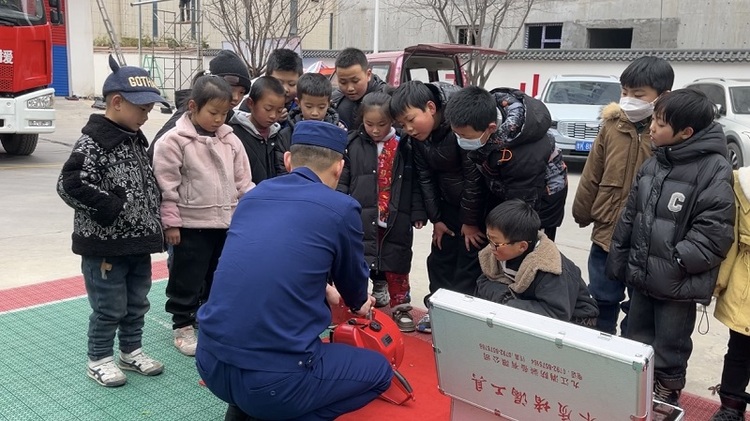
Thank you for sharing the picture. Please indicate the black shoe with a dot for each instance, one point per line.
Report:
(732, 409)
(666, 395)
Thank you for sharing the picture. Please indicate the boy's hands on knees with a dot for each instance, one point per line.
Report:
(172, 235)
(438, 230)
(473, 236)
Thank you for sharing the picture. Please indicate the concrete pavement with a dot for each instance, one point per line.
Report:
(36, 227)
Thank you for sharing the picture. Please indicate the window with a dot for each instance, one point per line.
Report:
(381, 70)
(583, 93)
(715, 93)
(610, 37)
(544, 35)
(467, 36)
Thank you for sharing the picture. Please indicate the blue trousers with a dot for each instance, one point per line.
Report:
(609, 294)
(343, 379)
(117, 289)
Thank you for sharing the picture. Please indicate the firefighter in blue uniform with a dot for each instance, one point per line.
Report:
(258, 346)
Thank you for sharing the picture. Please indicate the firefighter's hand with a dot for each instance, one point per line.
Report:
(172, 235)
(366, 307)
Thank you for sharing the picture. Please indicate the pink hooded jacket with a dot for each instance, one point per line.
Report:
(201, 178)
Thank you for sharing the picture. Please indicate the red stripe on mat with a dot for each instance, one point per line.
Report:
(60, 289)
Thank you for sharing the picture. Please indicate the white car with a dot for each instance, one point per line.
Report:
(575, 103)
(732, 98)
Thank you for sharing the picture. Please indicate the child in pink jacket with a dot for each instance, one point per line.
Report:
(202, 170)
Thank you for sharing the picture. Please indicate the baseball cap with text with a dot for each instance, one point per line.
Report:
(133, 83)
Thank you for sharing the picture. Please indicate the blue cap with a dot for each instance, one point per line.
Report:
(133, 83)
(319, 133)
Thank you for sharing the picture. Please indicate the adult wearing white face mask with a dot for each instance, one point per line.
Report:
(621, 147)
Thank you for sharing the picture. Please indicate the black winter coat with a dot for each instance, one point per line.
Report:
(446, 174)
(516, 168)
(260, 152)
(349, 110)
(109, 183)
(677, 225)
(360, 180)
(284, 140)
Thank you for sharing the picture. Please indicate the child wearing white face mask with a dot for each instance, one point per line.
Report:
(619, 150)
(505, 132)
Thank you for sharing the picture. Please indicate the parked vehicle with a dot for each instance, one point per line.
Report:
(575, 103)
(426, 62)
(26, 73)
(732, 99)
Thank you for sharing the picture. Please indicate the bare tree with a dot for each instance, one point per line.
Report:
(256, 27)
(483, 21)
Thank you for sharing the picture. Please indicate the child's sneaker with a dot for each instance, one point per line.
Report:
(380, 292)
(105, 372)
(140, 363)
(424, 325)
(403, 318)
(185, 340)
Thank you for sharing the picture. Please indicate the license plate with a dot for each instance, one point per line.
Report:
(583, 146)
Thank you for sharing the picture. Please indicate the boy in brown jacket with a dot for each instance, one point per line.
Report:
(619, 150)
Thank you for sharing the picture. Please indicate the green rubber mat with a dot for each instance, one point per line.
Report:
(43, 370)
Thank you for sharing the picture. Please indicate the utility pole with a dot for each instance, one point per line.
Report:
(376, 31)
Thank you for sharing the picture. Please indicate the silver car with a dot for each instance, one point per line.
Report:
(732, 98)
(575, 103)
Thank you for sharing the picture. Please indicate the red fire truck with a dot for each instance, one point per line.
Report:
(26, 98)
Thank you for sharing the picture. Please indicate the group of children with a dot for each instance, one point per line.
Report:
(479, 166)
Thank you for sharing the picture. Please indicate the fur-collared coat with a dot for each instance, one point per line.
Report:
(547, 283)
(618, 152)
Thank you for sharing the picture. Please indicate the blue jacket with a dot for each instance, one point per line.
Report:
(267, 306)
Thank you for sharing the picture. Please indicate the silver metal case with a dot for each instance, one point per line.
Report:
(523, 366)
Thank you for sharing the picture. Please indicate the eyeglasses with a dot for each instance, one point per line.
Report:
(496, 246)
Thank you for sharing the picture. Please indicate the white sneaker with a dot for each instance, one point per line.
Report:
(140, 363)
(105, 372)
(185, 340)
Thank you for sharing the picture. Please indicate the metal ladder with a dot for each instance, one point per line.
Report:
(111, 32)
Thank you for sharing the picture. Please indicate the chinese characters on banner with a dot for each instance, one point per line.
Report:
(532, 367)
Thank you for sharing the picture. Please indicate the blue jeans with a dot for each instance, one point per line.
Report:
(118, 295)
(666, 326)
(609, 294)
(343, 379)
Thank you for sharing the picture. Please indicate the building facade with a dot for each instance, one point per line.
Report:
(562, 24)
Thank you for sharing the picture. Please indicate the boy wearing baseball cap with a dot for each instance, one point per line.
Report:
(109, 183)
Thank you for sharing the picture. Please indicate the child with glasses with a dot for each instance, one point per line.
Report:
(522, 268)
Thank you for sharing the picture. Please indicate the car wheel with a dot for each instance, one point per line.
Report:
(734, 155)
